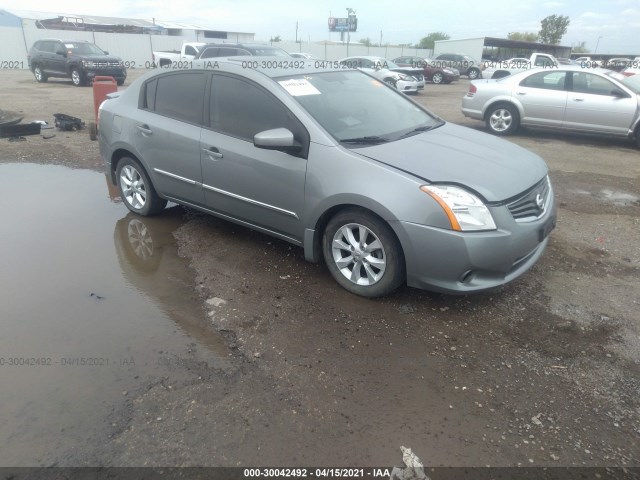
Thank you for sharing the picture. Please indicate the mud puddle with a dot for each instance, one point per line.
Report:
(95, 306)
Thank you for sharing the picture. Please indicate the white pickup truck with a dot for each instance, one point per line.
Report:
(187, 53)
(505, 68)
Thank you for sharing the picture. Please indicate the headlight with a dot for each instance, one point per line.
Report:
(465, 211)
(402, 76)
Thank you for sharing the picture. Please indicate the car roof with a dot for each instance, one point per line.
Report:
(272, 67)
(62, 40)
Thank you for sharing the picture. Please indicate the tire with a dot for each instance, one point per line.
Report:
(502, 119)
(93, 131)
(39, 74)
(372, 266)
(437, 78)
(136, 188)
(77, 77)
(391, 82)
(474, 73)
(120, 82)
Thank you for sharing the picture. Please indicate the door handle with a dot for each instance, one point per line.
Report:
(144, 129)
(213, 153)
(521, 93)
(578, 99)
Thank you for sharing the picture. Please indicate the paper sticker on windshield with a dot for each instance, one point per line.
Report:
(69, 45)
(299, 87)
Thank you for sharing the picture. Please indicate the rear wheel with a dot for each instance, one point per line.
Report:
(502, 119)
(474, 73)
(362, 253)
(77, 78)
(136, 189)
(437, 78)
(39, 74)
(120, 82)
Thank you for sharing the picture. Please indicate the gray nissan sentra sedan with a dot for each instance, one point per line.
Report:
(336, 162)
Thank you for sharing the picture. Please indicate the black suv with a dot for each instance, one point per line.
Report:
(215, 50)
(79, 60)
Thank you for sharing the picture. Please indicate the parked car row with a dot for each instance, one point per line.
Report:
(567, 97)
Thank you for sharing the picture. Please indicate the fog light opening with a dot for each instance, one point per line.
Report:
(467, 276)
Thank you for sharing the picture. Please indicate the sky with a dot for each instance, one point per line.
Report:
(613, 26)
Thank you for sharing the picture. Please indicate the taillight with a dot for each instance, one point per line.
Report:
(628, 74)
(472, 90)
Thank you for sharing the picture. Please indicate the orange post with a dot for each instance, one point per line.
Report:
(102, 86)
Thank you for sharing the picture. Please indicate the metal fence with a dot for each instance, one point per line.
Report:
(136, 49)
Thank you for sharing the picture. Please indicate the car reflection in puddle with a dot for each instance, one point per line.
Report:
(90, 315)
(149, 260)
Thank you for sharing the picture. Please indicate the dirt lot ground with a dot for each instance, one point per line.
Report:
(544, 372)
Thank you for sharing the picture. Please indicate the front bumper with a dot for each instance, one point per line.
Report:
(119, 75)
(465, 262)
(407, 86)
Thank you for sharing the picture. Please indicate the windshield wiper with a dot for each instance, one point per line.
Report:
(366, 140)
(417, 130)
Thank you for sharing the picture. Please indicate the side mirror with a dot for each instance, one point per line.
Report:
(105, 52)
(61, 52)
(616, 92)
(277, 139)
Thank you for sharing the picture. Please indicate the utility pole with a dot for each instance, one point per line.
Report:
(380, 37)
(296, 32)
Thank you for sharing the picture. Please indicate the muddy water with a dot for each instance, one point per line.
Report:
(94, 304)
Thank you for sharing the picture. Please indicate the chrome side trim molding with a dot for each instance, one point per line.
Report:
(250, 200)
(173, 175)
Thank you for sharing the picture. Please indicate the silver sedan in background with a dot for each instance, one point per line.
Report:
(336, 162)
(569, 98)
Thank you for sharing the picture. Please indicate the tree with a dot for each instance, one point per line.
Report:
(428, 42)
(366, 42)
(580, 48)
(276, 39)
(523, 36)
(553, 28)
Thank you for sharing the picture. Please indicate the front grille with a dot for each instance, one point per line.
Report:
(533, 204)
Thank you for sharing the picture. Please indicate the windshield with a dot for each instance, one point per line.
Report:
(354, 107)
(84, 49)
(632, 82)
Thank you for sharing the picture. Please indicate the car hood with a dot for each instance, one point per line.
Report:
(99, 58)
(494, 168)
(408, 70)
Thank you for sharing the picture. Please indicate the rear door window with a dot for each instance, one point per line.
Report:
(178, 95)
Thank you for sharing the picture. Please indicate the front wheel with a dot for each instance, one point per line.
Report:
(363, 254)
(39, 74)
(76, 77)
(503, 119)
(136, 189)
(474, 73)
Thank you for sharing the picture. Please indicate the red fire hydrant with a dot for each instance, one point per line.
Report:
(102, 86)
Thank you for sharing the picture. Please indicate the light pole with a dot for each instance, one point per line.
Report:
(597, 43)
